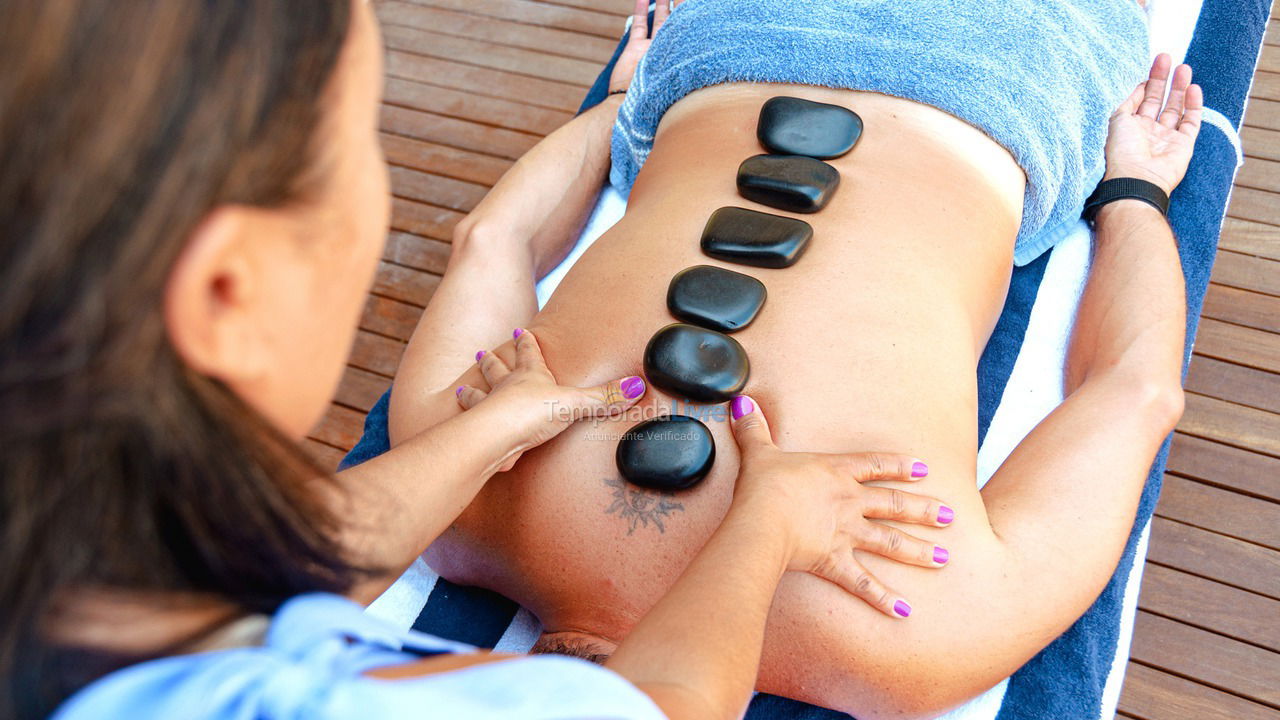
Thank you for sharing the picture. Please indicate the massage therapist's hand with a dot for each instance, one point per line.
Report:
(638, 40)
(1150, 138)
(820, 502)
(533, 406)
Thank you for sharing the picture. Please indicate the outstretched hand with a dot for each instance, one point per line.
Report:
(638, 41)
(1152, 138)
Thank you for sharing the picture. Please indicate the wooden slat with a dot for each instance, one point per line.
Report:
(1208, 554)
(1260, 174)
(404, 284)
(460, 105)
(389, 317)
(1216, 661)
(1263, 113)
(436, 189)
(532, 13)
(497, 142)
(1199, 602)
(1230, 423)
(426, 254)
(495, 30)
(1251, 238)
(1247, 272)
(1235, 383)
(360, 389)
(1260, 143)
(1256, 205)
(376, 353)
(341, 428)
(1242, 307)
(532, 64)
(1224, 466)
(1270, 59)
(1273, 33)
(1266, 85)
(1227, 513)
(1242, 345)
(426, 220)
(1150, 694)
(618, 8)
(487, 81)
(444, 160)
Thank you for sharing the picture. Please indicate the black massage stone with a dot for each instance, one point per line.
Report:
(695, 363)
(715, 298)
(792, 126)
(788, 182)
(750, 237)
(673, 452)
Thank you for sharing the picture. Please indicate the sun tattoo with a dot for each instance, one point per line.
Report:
(640, 507)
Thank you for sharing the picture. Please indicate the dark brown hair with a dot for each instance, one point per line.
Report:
(122, 124)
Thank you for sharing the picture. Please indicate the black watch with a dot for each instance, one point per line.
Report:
(1109, 191)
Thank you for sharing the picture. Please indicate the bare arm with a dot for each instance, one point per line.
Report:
(523, 228)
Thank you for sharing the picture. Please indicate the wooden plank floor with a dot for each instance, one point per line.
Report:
(473, 84)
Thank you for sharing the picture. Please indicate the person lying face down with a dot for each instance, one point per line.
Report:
(871, 340)
(196, 199)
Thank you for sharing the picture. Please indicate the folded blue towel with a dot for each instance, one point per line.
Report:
(1041, 77)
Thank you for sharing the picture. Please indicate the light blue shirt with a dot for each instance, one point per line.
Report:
(312, 666)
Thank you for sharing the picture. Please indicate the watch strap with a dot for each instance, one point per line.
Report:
(1126, 188)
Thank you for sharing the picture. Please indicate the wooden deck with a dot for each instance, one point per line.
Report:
(473, 84)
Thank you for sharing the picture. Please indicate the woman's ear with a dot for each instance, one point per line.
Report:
(211, 296)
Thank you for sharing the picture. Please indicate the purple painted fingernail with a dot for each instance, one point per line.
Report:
(458, 392)
(632, 387)
(940, 555)
(902, 608)
(919, 469)
(946, 515)
(740, 406)
(479, 354)
(515, 334)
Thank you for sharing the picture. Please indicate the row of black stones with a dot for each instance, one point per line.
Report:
(695, 359)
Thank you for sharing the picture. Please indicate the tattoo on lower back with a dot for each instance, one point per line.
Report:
(640, 507)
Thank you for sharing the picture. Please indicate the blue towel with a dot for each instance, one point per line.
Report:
(1041, 77)
(1067, 678)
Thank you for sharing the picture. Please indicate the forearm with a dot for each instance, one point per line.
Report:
(1064, 502)
(517, 233)
(395, 505)
(698, 651)
(549, 193)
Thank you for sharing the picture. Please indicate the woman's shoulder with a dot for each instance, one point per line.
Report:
(313, 662)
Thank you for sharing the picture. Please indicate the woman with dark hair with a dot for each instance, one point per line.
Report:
(194, 201)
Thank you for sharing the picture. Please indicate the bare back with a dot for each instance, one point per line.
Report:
(870, 342)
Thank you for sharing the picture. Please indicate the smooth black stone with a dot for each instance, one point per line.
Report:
(751, 237)
(673, 452)
(793, 126)
(695, 363)
(788, 182)
(715, 298)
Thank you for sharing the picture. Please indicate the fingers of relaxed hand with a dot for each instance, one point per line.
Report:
(1130, 105)
(660, 13)
(639, 21)
(1174, 106)
(850, 575)
(1153, 98)
(1191, 117)
(898, 545)
(469, 397)
(750, 428)
(893, 504)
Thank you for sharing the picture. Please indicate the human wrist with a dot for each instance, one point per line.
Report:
(763, 519)
(1127, 209)
(1116, 171)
